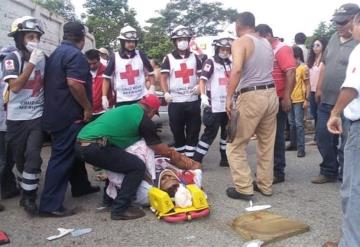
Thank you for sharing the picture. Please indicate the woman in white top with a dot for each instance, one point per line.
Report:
(314, 64)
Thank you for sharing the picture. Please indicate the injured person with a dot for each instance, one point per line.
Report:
(105, 143)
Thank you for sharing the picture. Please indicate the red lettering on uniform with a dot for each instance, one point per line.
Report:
(224, 81)
(129, 74)
(184, 73)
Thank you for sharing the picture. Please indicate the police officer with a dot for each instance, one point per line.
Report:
(24, 72)
(129, 68)
(180, 85)
(213, 85)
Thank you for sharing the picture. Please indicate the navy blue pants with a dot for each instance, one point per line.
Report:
(279, 149)
(63, 167)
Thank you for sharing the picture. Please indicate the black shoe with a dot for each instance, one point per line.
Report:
(301, 154)
(224, 163)
(278, 180)
(2, 208)
(257, 189)
(62, 212)
(232, 193)
(90, 190)
(291, 148)
(28, 202)
(10, 194)
(129, 214)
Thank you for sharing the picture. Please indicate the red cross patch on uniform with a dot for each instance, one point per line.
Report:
(9, 65)
(207, 67)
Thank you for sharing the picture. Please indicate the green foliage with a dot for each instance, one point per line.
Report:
(63, 8)
(106, 18)
(323, 30)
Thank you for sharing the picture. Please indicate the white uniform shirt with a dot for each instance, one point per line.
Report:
(352, 80)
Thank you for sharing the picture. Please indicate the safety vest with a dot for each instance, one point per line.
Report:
(182, 78)
(129, 78)
(217, 85)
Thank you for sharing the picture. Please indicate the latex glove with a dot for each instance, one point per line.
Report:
(151, 89)
(204, 101)
(168, 97)
(36, 56)
(195, 90)
(104, 102)
(183, 198)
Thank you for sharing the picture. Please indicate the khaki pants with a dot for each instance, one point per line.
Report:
(257, 115)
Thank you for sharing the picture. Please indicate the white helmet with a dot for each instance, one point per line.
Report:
(223, 40)
(180, 32)
(128, 33)
(26, 24)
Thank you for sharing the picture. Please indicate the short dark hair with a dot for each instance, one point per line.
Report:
(300, 38)
(246, 19)
(264, 30)
(298, 53)
(92, 54)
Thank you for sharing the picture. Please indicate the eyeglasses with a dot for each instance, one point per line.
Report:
(32, 25)
(130, 35)
(342, 23)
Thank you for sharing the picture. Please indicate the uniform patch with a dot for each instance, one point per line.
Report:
(9, 65)
(207, 67)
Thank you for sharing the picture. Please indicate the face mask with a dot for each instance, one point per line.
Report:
(183, 45)
(224, 55)
(30, 46)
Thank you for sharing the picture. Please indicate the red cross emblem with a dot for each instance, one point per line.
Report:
(129, 74)
(224, 81)
(184, 73)
(36, 84)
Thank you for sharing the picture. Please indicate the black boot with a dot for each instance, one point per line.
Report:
(28, 202)
(224, 163)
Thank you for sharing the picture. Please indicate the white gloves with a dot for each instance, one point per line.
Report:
(151, 89)
(36, 56)
(105, 102)
(195, 90)
(204, 101)
(168, 97)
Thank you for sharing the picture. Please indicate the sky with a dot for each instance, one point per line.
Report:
(285, 17)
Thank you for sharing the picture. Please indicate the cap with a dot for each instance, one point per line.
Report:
(103, 50)
(345, 12)
(151, 101)
(75, 29)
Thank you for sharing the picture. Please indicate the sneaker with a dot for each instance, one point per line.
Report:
(257, 189)
(129, 214)
(232, 193)
(301, 154)
(277, 180)
(62, 212)
(321, 179)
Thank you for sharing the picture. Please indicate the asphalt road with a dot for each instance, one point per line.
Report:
(315, 205)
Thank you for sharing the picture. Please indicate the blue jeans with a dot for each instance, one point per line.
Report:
(279, 149)
(350, 189)
(313, 108)
(333, 157)
(296, 121)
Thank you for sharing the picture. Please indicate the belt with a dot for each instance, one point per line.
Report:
(261, 87)
(84, 143)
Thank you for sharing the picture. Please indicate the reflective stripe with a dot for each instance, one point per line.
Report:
(202, 151)
(189, 154)
(190, 148)
(179, 149)
(29, 186)
(222, 141)
(203, 144)
(30, 176)
(223, 147)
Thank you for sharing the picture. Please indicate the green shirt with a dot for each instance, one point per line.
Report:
(120, 126)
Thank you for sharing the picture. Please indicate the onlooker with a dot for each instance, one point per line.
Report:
(300, 102)
(24, 72)
(332, 76)
(104, 56)
(97, 69)
(257, 106)
(128, 67)
(349, 102)
(214, 81)
(300, 39)
(67, 107)
(179, 82)
(284, 77)
(314, 64)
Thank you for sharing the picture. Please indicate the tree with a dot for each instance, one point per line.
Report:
(323, 30)
(63, 8)
(201, 18)
(106, 18)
